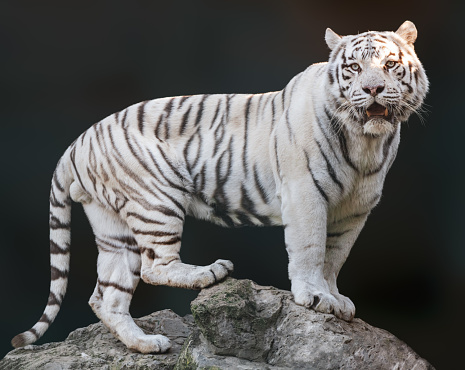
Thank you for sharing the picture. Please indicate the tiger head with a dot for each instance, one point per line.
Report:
(376, 79)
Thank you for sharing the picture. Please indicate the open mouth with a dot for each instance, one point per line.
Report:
(377, 110)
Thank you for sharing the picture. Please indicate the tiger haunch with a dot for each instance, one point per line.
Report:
(312, 157)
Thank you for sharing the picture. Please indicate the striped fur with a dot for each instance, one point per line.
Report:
(312, 157)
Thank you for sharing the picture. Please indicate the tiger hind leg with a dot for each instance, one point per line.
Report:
(158, 234)
(118, 270)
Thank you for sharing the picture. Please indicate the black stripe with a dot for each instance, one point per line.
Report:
(164, 118)
(171, 241)
(44, 318)
(278, 167)
(57, 183)
(200, 110)
(140, 115)
(185, 119)
(53, 200)
(183, 99)
(168, 212)
(315, 181)
(149, 252)
(289, 128)
(124, 117)
(345, 151)
(116, 117)
(259, 186)
(55, 224)
(386, 146)
(219, 136)
(157, 233)
(330, 76)
(228, 105)
(34, 332)
(273, 111)
(337, 234)
(170, 183)
(186, 151)
(125, 239)
(107, 284)
(56, 249)
(409, 87)
(249, 206)
(216, 113)
(82, 137)
(246, 131)
(214, 276)
(330, 168)
(168, 162)
(323, 131)
(92, 178)
(105, 243)
(168, 262)
(175, 202)
(58, 274)
(72, 157)
(221, 201)
(53, 300)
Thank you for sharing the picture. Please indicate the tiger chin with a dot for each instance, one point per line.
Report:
(312, 157)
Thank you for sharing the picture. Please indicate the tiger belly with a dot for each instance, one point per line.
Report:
(222, 214)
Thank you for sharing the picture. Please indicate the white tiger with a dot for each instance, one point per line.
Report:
(312, 157)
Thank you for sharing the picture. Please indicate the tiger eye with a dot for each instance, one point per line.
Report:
(390, 64)
(355, 67)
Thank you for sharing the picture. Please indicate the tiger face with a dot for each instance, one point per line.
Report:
(376, 79)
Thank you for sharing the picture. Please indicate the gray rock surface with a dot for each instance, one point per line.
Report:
(94, 347)
(262, 324)
(238, 325)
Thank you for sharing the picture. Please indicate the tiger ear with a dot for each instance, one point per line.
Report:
(408, 32)
(332, 38)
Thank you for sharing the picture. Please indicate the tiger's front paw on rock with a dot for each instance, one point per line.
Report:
(151, 344)
(345, 309)
(220, 269)
(325, 302)
(317, 300)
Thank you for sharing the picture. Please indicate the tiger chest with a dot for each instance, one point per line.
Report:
(360, 200)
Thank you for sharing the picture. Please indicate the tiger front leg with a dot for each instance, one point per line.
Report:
(158, 234)
(341, 237)
(304, 213)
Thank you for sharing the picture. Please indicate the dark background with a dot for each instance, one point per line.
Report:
(66, 65)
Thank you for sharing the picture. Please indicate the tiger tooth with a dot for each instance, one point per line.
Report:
(386, 112)
(368, 113)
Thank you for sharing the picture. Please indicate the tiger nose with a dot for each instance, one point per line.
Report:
(373, 90)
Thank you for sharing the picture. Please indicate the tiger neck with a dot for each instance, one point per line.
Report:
(365, 154)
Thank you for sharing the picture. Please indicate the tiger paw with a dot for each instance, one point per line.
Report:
(315, 297)
(203, 277)
(151, 344)
(345, 309)
(220, 269)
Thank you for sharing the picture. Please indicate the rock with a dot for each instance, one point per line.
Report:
(94, 347)
(264, 328)
(238, 325)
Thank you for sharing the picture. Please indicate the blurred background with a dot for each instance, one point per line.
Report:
(66, 65)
